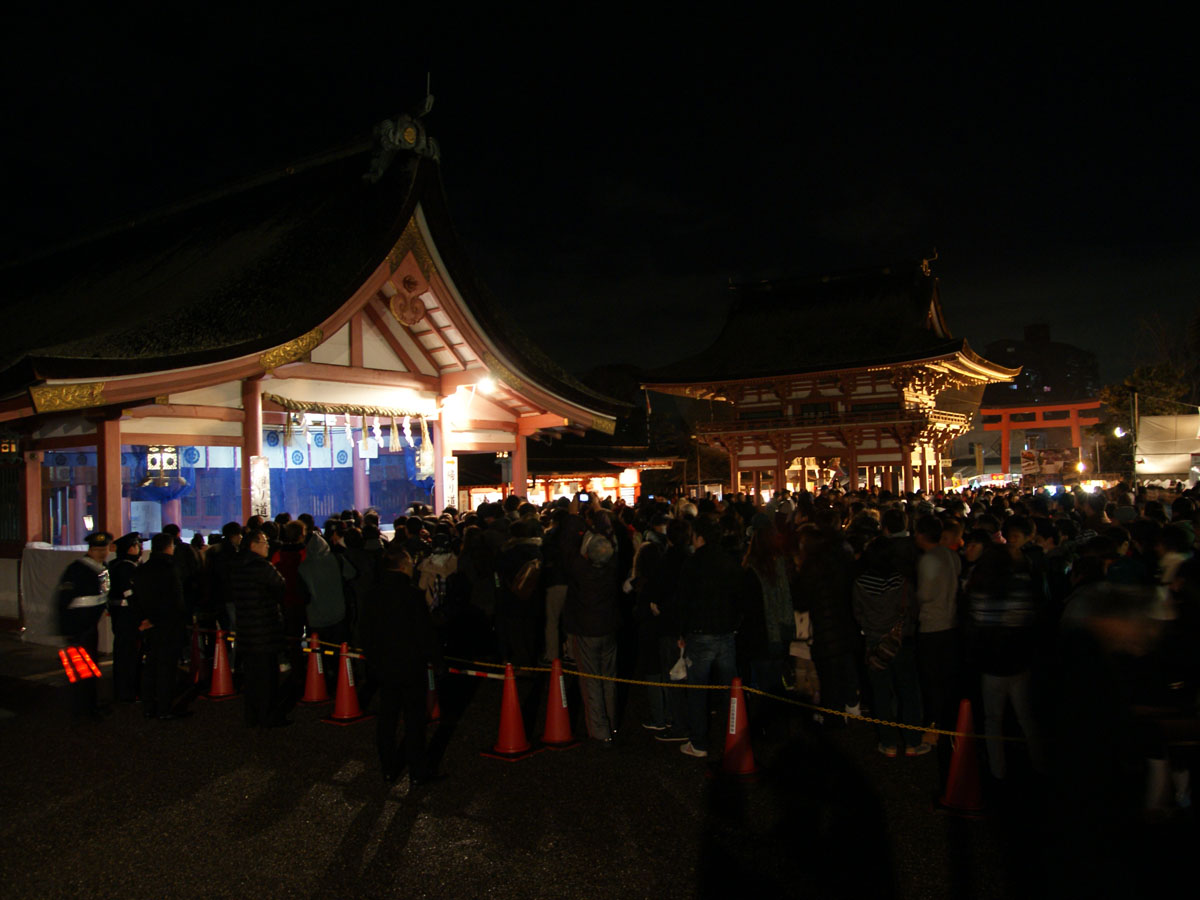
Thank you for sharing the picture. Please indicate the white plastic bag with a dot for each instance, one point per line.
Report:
(679, 670)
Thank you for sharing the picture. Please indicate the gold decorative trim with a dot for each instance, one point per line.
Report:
(513, 380)
(340, 409)
(59, 397)
(411, 240)
(605, 426)
(501, 371)
(291, 351)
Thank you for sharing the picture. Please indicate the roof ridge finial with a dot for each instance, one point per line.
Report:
(405, 132)
(925, 267)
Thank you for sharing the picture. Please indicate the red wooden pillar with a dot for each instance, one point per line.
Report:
(172, 512)
(33, 496)
(907, 470)
(108, 477)
(251, 435)
(1005, 443)
(925, 485)
(439, 436)
(1076, 437)
(520, 467)
(757, 482)
(852, 468)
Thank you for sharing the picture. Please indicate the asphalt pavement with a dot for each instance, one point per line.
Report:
(204, 807)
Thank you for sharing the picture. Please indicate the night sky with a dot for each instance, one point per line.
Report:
(609, 178)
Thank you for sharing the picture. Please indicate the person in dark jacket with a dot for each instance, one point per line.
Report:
(191, 571)
(645, 564)
(711, 593)
(287, 560)
(882, 597)
(400, 644)
(554, 578)
(1005, 599)
(519, 593)
(257, 589)
(158, 603)
(591, 615)
(821, 588)
(218, 562)
(124, 620)
(663, 604)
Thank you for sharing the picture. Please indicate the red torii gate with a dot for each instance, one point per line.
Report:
(1066, 415)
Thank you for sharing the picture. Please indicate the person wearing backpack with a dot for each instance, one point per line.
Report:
(519, 597)
(554, 579)
(591, 615)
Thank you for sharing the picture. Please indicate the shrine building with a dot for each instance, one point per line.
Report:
(853, 375)
(311, 340)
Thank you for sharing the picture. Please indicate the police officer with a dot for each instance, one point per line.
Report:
(124, 621)
(81, 596)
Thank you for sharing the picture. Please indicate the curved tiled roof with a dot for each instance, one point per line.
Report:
(865, 317)
(239, 271)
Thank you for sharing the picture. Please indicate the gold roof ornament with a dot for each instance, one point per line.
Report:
(291, 351)
(60, 397)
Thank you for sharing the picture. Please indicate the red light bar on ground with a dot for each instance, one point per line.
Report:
(77, 663)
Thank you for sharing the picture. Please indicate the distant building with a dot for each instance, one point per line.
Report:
(1046, 407)
(1052, 372)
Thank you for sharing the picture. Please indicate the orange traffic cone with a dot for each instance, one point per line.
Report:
(433, 712)
(314, 685)
(221, 686)
(738, 758)
(511, 744)
(557, 735)
(345, 705)
(963, 794)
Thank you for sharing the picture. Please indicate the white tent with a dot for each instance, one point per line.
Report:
(1165, 445)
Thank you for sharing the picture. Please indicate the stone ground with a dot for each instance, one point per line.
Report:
(202, 807)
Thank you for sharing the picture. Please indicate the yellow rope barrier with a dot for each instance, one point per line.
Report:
(749, 690)
(823, 710)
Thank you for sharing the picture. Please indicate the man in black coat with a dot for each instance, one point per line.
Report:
(257, 590)
(711, 597)
(190, 568)
(400, 644)
(519, 595)
(80, 598)
(218, 560)
(591, 615)
(158, 604)
(124, 620)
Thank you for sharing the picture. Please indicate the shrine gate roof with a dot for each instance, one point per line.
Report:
(846, 320)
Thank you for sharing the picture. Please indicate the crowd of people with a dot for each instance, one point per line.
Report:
(1069, 618)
